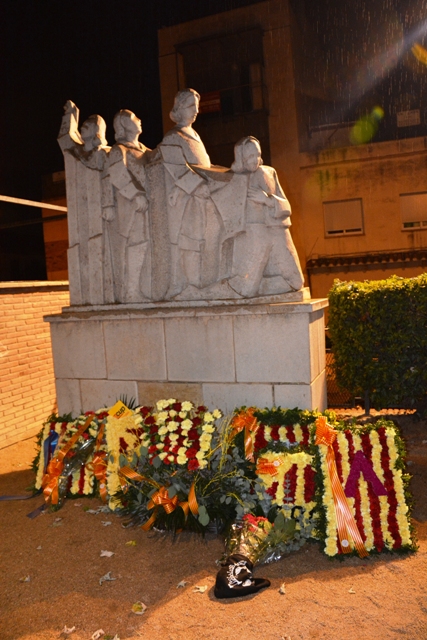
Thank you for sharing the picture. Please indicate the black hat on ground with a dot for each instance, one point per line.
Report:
(235, 578)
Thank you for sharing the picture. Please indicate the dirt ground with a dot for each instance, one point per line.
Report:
(50, 571)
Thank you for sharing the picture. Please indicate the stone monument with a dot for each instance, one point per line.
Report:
(184, 279)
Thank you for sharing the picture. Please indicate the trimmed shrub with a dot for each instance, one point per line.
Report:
(378, 330)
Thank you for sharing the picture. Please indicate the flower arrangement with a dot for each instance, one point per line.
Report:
(370, 467)
(262, 541)
(171, 466)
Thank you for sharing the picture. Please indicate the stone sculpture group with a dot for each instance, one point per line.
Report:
(167, 225)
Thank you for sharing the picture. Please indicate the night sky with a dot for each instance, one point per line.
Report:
(102, 54)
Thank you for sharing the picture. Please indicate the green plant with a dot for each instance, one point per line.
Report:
(379, 339)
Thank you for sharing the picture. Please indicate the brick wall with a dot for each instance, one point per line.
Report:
(27, 383)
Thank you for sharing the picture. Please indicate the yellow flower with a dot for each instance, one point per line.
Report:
(160, 445)
(186, 424)
(208, 428)
(217, 414)
(181, 459)
(208, 417)
(173, 413)
(162, 455)
(162, 431)
(172, 426)
(187, 406)
(161, 417)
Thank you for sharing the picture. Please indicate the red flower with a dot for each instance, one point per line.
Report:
(202, 408)
(150, 420)
(152, 448)
(274, 432)
(193, 434)
(197, 422)
(144, 411)
(191, 453)
(177, 406)
(85, 436)
(166, 460)
(260, 441)
(193, 464)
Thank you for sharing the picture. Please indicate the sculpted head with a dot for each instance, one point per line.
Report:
(247, 155)
(93, 132)
(185, 107)
(127, 127)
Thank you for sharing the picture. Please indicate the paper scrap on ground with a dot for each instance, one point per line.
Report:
(282, 589)
(106, 578)
(131, 543)
(98, 634)
(181, 584)
(106, 554)
(25, 579)
(77, 504)
(106, 523)
(139, 608)
(68, 630)
(39, 547)
(198, 589)
(351, 590)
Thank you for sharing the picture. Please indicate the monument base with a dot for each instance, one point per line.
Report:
(263, 353)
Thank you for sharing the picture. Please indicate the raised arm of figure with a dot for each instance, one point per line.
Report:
(69, 134)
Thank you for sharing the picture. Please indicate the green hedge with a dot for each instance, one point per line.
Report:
(378, 331)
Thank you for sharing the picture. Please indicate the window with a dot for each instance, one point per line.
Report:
(343, 217)
(413, 207)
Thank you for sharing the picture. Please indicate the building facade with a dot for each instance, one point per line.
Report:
(356, 177)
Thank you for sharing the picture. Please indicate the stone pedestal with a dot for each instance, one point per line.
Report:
(264, 352)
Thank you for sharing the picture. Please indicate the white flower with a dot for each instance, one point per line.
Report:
(161, 404)
(161, 417)
(187, 406)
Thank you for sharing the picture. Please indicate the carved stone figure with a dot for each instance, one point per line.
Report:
(265, 260)
(85, 156)
(125, 205)
(195, 226)
(166, 224)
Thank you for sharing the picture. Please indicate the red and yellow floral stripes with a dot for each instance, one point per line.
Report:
(286, 479)
(382, 520)
(292, 434)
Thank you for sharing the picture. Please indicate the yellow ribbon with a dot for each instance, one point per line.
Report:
(247, 421)
(346, 525)
(56, 465)
(99, 465)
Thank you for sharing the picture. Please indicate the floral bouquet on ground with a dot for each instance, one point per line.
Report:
(254, 540)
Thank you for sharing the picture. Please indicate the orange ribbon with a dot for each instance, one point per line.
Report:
(56, 465)
(247, 421)
(346, 525)
(161, 497)
(268, 467)
(99, 465)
